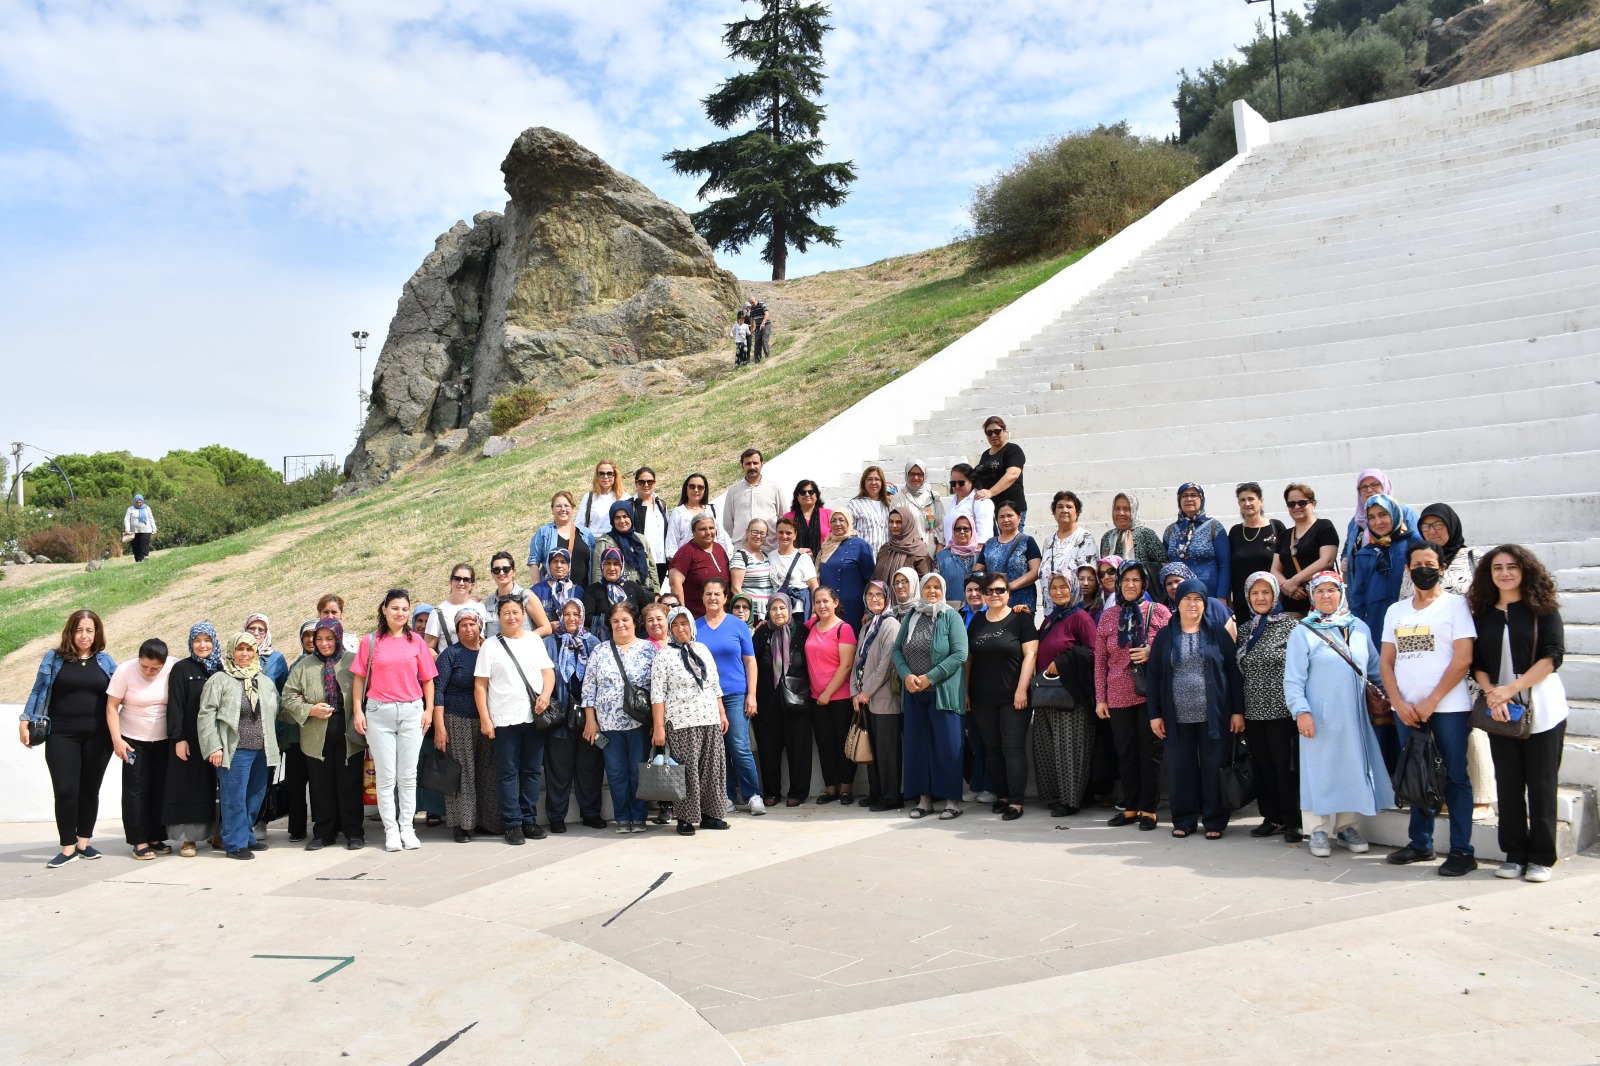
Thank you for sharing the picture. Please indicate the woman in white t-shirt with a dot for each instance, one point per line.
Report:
(594, 509)
(512, 681)
(441, 628)
(136, 712)
(794, 572)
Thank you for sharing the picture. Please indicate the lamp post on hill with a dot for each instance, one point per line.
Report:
(1277, 68)
(360, 337)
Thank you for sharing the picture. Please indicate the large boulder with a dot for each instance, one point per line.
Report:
(585, 269)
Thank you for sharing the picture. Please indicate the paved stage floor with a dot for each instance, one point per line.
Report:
(811, 935)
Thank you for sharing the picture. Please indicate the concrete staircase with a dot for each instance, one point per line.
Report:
(1414, 287)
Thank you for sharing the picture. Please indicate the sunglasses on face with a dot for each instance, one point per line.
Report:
(644, 481)
(461, 580)
(1297, 505)
(808, 492)
(996, 592)
(958, 484)
(501, 569)
(993, 432)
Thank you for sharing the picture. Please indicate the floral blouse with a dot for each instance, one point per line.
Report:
(602, 684)
(687, 703)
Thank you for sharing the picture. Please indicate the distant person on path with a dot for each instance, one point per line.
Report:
(650, 521)
(1128, 538)
(869, 508)
(750, 498)
(998, 472)
(1310, 546)
(917, 494)
(136, 714)
(1200, 542)
(965, 501)
(69, 694)
(760, 332)
(594, 509)
(141, 522)
(740, 332)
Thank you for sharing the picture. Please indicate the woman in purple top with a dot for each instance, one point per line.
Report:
(1063, 737)
(1121, 649)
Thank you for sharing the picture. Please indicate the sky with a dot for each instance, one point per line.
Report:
(199, 202)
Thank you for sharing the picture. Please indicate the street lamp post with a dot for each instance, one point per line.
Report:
(1277, 66)
(362, 396)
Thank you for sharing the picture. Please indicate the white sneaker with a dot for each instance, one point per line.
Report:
(758, 805)
(408, 839)
(1537, 873)
(1349, 838)
(969, 796)
(985, 797)
(391, 840)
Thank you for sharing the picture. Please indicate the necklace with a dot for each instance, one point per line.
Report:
(1248, 539)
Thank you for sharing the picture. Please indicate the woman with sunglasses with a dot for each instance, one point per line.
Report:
(441, 630)
(810, 517)
(1309, 546)
(693, 497)
(503, 568)
(998, 472)
(1002, 647)
(594, 509)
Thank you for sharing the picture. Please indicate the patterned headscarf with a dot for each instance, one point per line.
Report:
(830, 545)
(1183, 572)
(615, 592)
(330, 663)
(973, 545)
(869, 632)
(561, 591)
(266, 642)
(1060, 612)
(1187, 527)
(1341, 618)
(778, 644)
(249, 676)
(691, 659)
(1258, 624)
(1130, 618)
(921, 606)
(213, 662)
(1124, 539)
(572, 652)
(1397, 530)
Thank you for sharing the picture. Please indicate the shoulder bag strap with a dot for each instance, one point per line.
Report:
(533, 700)
(790, 572)
(1343, 654)
(628, 686)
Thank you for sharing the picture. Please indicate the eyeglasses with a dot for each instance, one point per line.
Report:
(457, 580)
(1189, 496)
(1428, 526)
(1297, 505)
(502, 569)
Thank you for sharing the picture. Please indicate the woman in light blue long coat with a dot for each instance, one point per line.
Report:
(1341, 767)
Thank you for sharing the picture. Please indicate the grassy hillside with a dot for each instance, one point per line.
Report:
(840, 336)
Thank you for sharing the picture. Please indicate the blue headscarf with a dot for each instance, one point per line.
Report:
(1185, 526)
(572, 654)
(213, 662)
(1167, 571)
(636, 556)
(1130, 617)
(1397, 532)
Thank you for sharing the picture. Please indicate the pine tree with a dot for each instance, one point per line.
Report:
(770, 174)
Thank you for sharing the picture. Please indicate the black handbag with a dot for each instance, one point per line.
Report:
(440, 773)
(552, 715)
(635, 701)
(663, 782)
(38, 731)
(275, 803)
(1136, 671)
(1238, 775)
(793, 691)
(1050, 693)
(1419, 775)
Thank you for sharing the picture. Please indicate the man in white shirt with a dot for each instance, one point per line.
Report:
(650, 518)
(751, 498)
(1427, 650)
(963, 502)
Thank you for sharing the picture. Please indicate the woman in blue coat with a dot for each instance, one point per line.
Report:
(1341, 767)
(844, 564)
(1376, 567)
(1200, 542)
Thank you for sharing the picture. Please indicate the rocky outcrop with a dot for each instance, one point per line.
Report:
(585, 269)
(1448, 39)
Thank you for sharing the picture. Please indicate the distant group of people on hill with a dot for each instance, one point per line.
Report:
(751, 333)
(924, 633)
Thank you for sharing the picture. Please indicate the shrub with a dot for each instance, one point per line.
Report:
(515, 407)
(76, 543)
(1078, 191)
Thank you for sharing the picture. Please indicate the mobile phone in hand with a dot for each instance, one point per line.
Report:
(601, 740)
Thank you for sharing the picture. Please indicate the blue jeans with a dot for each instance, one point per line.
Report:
(1450, 732)
(626, 750)
(518, 768)
(741, 761)
(241, 787)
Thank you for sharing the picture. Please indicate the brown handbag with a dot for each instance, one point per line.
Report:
(857, 745)
(1379, 709)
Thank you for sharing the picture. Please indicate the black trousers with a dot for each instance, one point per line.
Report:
(141, 547)
(336, 787)
(297, 786)
(1103, 763)
(1525, 773)
(1274, 745)
(1004, 730)
(1138, 757)
(784, 735)
(1194, 763)
(77, 764)
(761, 343)
(571, 761)
(884, 771)
(144, 789)
(831, 722)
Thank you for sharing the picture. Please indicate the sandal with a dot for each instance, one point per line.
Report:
(187, 851)
(919, 812)
(143, 852)
(949, 813)
(1181, 833)
(791, 803)
(1213, 834)
(433, 822)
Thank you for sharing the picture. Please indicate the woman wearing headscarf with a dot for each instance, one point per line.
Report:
(317, 697)
(476, 805)
(1128, 538)
(1123, 636)
(875, 690)
(1014, 555)
(905, 549)
(1199, 541)
(1341, 766)
(612, 587)
(273, 664)
(617, 667)
(190, 802)
(811, 519)
(845, 565)
(930, 655)
(556, 587)
(307, 644)
(1268, 726)
(1196, 701)
(1166, 593)
(956, 559)
(869, 508)
(1107, 569)
(570, 761)
(902, 588)
(688, 721)
(917, 495)
(562, 531)
(296, 786)
(235, 726)
(630, 546)
(782, 724)
(1369, 483)
(1372, 583)
(1063, 737)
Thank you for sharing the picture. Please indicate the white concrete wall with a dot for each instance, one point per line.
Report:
(25, 794)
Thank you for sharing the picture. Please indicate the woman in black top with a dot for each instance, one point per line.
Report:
(190, 807)
(70, 692)
(1308, 547)
(782, 723)
(1252, 545)
(998, 471)
(1514, 608)
(1001, 647)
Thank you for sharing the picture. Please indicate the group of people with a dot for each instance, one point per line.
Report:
(926, 634)
(752, 333)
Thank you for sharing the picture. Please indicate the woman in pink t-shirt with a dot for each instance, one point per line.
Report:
(393, 688)
(136, 712)
(830, 653)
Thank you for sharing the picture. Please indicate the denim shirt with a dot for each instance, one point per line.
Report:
(38, 705)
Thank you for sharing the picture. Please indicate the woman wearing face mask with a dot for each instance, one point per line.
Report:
(956, 560)
(190, 802)
(1199, 541)
(570, 761)
(874, 688)
(237, 710)
(1122, 650)
(1063, 737)
(917, 495)
(317, 696)
(689, 721)
(783, 725)
(1268, 726)
(930, 655)
(1128, 538)
(1341, 767)
(845, 565)
(476, 805)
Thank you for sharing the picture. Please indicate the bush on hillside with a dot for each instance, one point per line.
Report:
(76, 543)
(515, 407)
(1076, 192)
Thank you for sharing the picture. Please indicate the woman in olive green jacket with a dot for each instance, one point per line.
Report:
(929, 655)
(238, 736)
(317, 697)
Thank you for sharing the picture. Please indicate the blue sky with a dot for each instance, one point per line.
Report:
(199, 200)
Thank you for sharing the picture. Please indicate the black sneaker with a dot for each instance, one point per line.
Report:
(1458, 864)
(260, 845)
(61, 860)
(686, 829)
(356, 844)
(241, 853)
(88, 851)
(558, 827)
(1061, 810)
(295, 838)
(594, 821)
(316, 844)
(1266, 829)
(514, 835)
(1293, 836)
(462, 836)
(1409, 854)
(536, 832)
